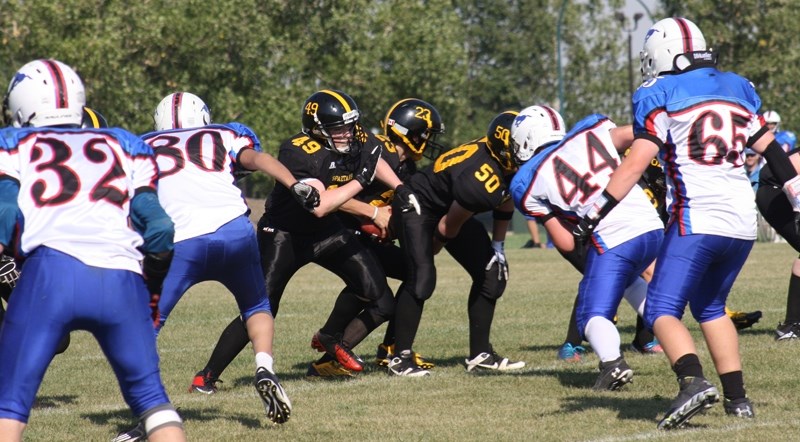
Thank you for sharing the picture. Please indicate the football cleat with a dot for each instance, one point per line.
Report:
(787, 331)
(492, 361)
(204, 382)
(276, 402)
(571, 353)
(404, 365)
(652, 347)
(338, 350)
(613, 375)
(135, 434)
(743, 320)
(696, 395)
(385, 354)
(328, 369)
(739, 408)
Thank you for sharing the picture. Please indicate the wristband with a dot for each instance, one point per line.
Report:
(374, 215)
(501, 215)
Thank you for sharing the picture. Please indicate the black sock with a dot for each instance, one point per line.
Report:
(643, 335)
(688, 365)
(408, 314)
(573, 335)
(793, 300)
(481, 314)
(232, 341)
(732, 385)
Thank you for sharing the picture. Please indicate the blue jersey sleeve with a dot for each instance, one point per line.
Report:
(152, 222)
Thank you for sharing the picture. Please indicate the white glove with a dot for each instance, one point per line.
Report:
(792, 190)
(499, 257)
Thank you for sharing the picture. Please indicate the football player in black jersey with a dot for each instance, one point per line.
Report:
(335, 155)
(777, 210)
(461, 182)
(409, 129)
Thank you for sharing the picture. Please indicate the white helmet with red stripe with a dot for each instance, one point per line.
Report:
(44, 93)
(535, 126)
(181, 110)
(665, 41)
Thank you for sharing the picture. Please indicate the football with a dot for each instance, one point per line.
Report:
(372, 230)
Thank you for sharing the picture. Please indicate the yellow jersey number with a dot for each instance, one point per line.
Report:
(307, 144)
(455, 156)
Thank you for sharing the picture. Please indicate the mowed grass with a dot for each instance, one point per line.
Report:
(549, 400)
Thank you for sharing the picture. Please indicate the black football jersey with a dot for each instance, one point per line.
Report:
(305, 157)
(467, 174)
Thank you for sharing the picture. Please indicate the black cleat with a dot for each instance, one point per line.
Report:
(276, 402)
(696, 395)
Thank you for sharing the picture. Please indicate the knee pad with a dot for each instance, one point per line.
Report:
(492, 287)
(160, 417)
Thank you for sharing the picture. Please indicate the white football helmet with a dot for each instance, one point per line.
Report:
(181, 110)
(772, 117)
(666, 40)
(534, 127)
(45, 93)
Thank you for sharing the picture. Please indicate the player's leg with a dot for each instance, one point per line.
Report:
(472, 249)
(38, 317)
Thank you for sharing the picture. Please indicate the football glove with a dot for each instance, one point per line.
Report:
(369, 165)
(8, 271)
(601, 207)
(306, 195)
(409, 200)
(792, 190)
(155, 269)
(499, 257)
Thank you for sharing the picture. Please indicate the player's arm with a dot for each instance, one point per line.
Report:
(501, 218)
(560, 236)
(622, 137)
(332, 199)
(251, 159)
(386, 175)
(378, 215)
(9, 209)
(449, 225)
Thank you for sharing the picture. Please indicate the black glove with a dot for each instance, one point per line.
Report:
(306, 195)
(409, 200)
(369, 164)
(9, 274)
(583, 231)
(155, 270)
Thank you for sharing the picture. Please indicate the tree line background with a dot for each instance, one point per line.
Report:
(257, 61)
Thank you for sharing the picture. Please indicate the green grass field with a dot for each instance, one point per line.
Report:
(548, 400)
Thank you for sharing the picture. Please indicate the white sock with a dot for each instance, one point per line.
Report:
(635, 295)
(264, 360)
(604, 338)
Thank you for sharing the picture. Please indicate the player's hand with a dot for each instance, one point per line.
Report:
(583, 231)
(409, 200)
(499, 257)
(9, 274)
(369, 165)
(306, 195)
(154, 313)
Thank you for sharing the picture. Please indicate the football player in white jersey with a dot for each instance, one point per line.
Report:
(214, 238)
(698, 120)
(76, 189)
(561, 183)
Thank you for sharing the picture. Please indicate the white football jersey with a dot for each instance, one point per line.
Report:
(702, 120)
(75, 190)
(566, 180)
(196, 183)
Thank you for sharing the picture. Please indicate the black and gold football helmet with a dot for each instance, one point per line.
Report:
(93, 119)
(414, 124)
(498, 139)
(329, 111)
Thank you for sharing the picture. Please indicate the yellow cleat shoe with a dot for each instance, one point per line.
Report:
(743, 320)
(385, 354)
(328, 369)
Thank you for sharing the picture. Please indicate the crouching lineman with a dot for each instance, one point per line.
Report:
(463, 181)
(559, 181)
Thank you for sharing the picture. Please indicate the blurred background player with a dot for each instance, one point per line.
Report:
(463, 181)
(78, 245)
(786, 138)
(684, 98)
(337, 157)
(621, 248)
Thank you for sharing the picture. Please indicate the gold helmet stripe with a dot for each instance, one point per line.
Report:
(340, 98)
(93, 116)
